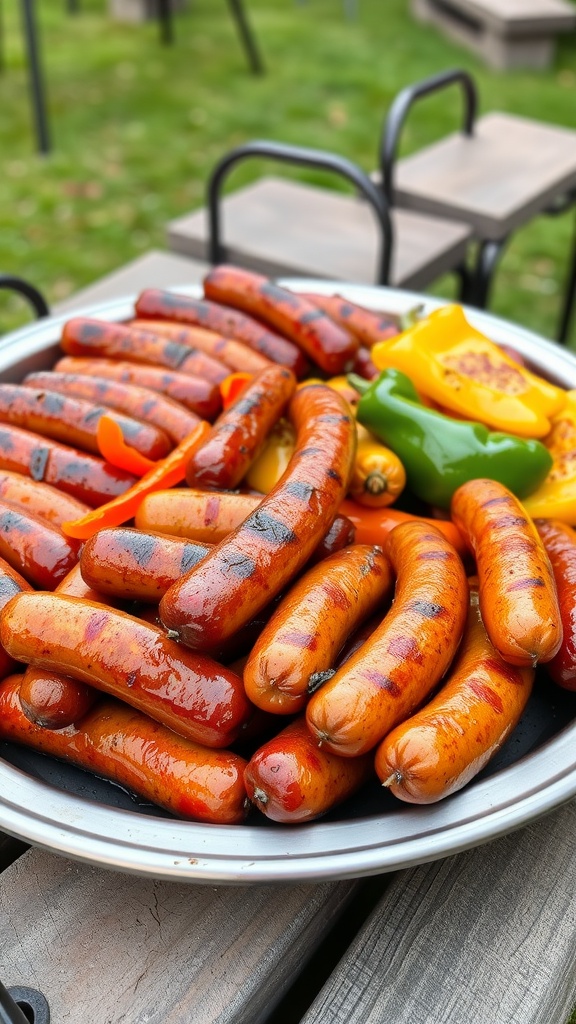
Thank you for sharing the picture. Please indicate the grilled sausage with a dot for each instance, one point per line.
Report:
(297, 649)
(442, 747)
(518, 598)
(84, 337)
(560, 544)
(136, 565)
(120, 744)
(234, 354)
(11, 582)
(139, 403)
(84, 476)
(291, 781)
(222, 461)
(43, 500)
(327, 344)
(225, 320)
(406, 656)
(260, 557)
(199, 396)
(74, 420)
(130, 659)
(38, 551)
(366, 324)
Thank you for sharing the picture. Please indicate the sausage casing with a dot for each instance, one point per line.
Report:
(442, 747)
(560, 543)
(130, 659)
(291, 781)
(11, 583)
(298, 647)
(42, 499)
(518, 597)
(38, 551)
(256, 561)
(222, 461)
(236, 356)
(118, 743)
(406, 656)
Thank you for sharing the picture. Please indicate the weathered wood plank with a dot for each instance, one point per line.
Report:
(484, 937)
(118, 949)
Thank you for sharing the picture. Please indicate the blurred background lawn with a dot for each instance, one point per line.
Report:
(137, 125)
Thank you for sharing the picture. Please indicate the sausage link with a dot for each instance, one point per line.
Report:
(368, 326)
(201, 397)
(127, 658)
(208, 517)
(139, 403)
(38, 551)
(560, 544)
(124, 746)
(291, 781)
(11, 582)
(84, 337)
(43, 500)
(80, 474)
(136, 565)
(327, 344)
(49, 698)
(297, 649)
(442, 747)
(222, 461)
(406, 656)
(225, 320)
(260, 557)
(74, 420)
(236, 356)
(518, 596)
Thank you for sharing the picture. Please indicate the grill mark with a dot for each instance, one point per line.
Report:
(191, 555)
(427, 609)
(240, 565)
(332, 474)
(271, 529)
(272, 291)
(310, 315)
(96, 623)
(526, 584)
(332, 417)
(304, 641)
(384, 682)
(435, 556)
(506, 522)
(52, 402)
(305, 452)
(486, 694)
(176, 354)
(8, 586)
(211, 511)
(300, 489)
(141, 547)
(244, 406)
(405, 648)
(336, 595)
(38, 462)
(500, 667)
(497, 501)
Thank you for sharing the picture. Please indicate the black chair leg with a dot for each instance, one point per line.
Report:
(35, 71)
(247, 38)
(569, 297)
(165, 21)
(489, 254)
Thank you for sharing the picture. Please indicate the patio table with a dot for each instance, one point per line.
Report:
(486, 936)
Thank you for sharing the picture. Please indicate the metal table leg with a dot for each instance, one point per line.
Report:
(35, 71)
(569, 297)
(246, 36)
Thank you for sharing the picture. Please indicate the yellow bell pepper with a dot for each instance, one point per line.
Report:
(273, 458)
(556, 497)
(468, 374)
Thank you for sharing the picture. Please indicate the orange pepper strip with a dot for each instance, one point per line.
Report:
(164, 474)
(372, 525)
(113, 448)
(232, 386)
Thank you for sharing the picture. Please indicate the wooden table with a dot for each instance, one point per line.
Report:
(484, 937)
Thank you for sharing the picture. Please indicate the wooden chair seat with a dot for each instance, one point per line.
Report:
(281, 227)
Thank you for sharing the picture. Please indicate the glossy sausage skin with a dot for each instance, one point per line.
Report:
(11, 583)
(366, 324)
(124, 746)
(560, 544)
(329, 346)
(140, 403)
(136, 565)
(74, 420)
(236, 356)
(49, 698)
(406, 656)
(38, 551)
(130, 659)
(259, 558)
(84, 337)
(442, 747)
(292, 781)
(372, 525)
(222, 461)
(298, 648)
(80, 474)
(230, 322)
(201, 397)
(518, 596)
(43, 500)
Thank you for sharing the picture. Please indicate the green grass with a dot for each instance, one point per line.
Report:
(136, 127)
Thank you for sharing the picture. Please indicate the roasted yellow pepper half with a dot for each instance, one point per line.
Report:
(469, 375)
(556, 496)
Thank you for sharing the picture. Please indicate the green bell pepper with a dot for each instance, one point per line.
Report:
(440, 453)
